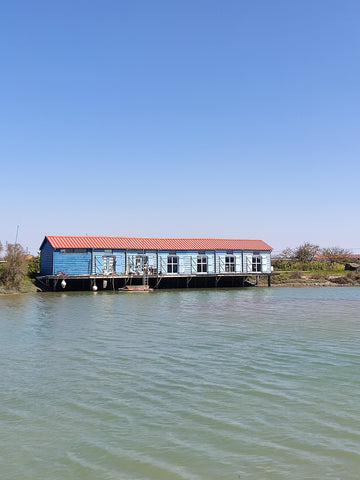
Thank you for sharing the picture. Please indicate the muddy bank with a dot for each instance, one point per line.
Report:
(315, 279)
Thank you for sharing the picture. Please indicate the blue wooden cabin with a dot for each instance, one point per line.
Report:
(101, 255)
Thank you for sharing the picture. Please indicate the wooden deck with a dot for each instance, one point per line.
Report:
(61, 282)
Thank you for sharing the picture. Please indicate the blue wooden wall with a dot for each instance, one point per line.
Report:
(46, 259)
(72, 263)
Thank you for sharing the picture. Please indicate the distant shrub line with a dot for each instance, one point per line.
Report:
(313, 265)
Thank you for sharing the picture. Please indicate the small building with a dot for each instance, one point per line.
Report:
(125, 258)
(352, 267)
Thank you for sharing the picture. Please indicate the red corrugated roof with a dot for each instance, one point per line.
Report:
(86, 241)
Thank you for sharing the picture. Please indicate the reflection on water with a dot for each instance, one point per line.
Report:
(191, 384)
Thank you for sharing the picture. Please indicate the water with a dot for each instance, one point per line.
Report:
(208, 384)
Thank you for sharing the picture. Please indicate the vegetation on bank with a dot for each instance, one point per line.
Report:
(308, 264)
(18, 270)
(315, 278)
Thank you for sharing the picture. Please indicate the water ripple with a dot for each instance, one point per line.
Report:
(185, 385)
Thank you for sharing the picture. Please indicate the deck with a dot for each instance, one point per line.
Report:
(61, 282)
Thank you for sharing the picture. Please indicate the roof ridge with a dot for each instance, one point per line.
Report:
(152, 237)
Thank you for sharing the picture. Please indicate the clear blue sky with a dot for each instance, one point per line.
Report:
(227, 118)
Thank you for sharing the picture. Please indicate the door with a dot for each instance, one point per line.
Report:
(109, 264)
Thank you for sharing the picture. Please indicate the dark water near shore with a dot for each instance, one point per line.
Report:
(208, 384)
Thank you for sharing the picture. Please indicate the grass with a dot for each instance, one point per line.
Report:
(323, 277)
(26, 286)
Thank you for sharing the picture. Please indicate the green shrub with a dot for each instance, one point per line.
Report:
(14, 270)
(34, 267)
(313, 266)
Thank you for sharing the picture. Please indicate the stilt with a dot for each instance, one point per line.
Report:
(93, 286)
(158, 280)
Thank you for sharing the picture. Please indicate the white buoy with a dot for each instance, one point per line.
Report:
(94, 288)
(63, 284)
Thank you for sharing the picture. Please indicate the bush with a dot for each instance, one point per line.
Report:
(14, 270)
(34, 267)
(313, 266)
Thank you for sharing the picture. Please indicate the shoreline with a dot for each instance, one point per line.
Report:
(305, 285)
(276, 285)
(290, 279)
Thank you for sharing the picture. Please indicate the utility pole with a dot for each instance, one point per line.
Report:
(17, 232)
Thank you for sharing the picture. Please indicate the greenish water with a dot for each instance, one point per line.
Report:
(209, 384)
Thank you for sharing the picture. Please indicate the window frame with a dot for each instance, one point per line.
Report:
(202, 264)
(172, 264)
(256, 263)
(230, 263)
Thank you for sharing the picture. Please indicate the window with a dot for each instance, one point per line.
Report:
(172, 264)
(108, 250)
(80, 250)
(230, 264)
(201, 264)
(256, 263)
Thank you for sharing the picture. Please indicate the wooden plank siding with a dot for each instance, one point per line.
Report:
(46, 259)
(72, 263)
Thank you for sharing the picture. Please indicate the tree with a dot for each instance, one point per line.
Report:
(336, 254)
(306, 252)
(15, 267)
(286, 254)
(303, 253)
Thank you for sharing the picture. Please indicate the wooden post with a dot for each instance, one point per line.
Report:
(269, 280)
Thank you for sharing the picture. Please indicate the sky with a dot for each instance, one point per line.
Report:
(191, 118)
